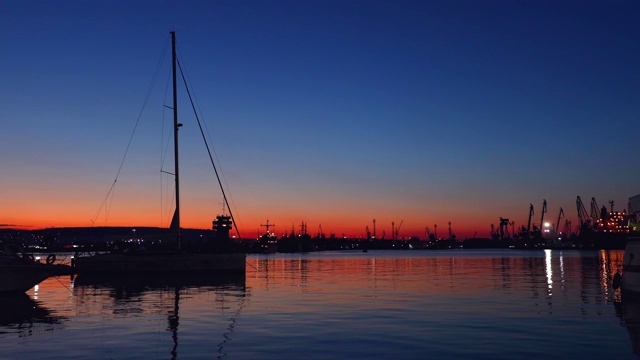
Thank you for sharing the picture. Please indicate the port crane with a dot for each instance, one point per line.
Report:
(595, 211)
(544, 210)
(452, 236)
(374, 228)
(513, 228)
(504, 228)
(430, 236)
(560, 216)
(567, 228)
(583, 218)
(397, 230)
(529, 221)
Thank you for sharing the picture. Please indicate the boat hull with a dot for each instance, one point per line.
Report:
(18, 278)
(630, 282)
(158, 263)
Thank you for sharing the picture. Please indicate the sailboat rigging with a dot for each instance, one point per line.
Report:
(220, 255)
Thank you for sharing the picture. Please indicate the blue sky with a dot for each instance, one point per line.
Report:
(331, 112)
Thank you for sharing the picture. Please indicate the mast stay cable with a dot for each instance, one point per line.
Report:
(206, 143)
(144, 104)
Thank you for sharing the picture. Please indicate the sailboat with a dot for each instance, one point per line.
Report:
(215, 258)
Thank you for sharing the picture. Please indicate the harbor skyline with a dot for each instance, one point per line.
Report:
(329, 112)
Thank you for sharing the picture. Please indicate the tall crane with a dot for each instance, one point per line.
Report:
(529, 222)
(398, 229)
(567, 228)
(544, 210)
(452, 236)
(595, 211)
(560, 216)
(430, 235)
(513, 228)
(374, 229)
(504, 228)
(583, 218)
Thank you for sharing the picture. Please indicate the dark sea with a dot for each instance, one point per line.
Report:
(402, 304)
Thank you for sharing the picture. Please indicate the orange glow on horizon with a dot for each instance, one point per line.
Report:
(251, 226)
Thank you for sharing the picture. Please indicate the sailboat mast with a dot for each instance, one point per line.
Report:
(176, 125)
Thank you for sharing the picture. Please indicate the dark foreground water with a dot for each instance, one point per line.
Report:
(459, 304)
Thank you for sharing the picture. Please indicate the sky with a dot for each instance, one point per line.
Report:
(332, 113)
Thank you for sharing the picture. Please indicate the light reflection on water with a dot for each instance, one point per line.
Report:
(381, 304)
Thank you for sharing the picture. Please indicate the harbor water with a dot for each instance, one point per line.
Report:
(413, 304)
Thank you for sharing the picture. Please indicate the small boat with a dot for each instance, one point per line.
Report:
(266, 244)
(218, 255)
(629, 279)
(19, 271)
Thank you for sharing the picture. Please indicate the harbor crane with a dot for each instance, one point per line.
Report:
(397, 230)
(560, 216)
(529, 222)
(374, 228)
(452, 236)
(430, 235)
(583, 218)
(595, 211)
(504, 228)
(544, 210)
(567, 228)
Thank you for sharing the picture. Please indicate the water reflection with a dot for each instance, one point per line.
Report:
(542, 275)
(137, 295)
(628, 310)
(549, 270)
(20, 314)
(403, 304)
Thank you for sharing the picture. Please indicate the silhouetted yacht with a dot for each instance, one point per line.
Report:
(218, 255)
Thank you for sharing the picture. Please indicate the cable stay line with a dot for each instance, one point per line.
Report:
(185, 74)
(206, 143)
(109, 195)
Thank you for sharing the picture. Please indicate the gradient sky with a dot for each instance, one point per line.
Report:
(328, 112)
